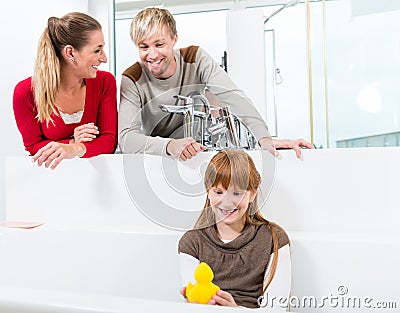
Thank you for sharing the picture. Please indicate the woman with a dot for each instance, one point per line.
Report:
(68, 107)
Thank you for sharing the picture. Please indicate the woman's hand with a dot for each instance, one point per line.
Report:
(85, 133)
(184, 148)
(54, 152)
(223, 298)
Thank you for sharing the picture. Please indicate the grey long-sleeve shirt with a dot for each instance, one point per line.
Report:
(143, 127)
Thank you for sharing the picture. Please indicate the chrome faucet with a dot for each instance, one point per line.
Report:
(219, 127)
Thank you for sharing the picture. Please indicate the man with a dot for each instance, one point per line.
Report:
(163, 73)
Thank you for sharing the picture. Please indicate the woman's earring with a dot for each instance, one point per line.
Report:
(72, 59)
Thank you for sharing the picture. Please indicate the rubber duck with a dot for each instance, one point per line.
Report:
(202, 291)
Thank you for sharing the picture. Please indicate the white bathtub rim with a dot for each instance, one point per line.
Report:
(55, 227)
(23, 300)
(381, 238)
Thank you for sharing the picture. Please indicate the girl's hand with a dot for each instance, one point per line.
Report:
(223, 298)
(85, 133)
(54, 152)
(183, 293)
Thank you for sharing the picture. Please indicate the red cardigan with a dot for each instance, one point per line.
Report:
(100, 108)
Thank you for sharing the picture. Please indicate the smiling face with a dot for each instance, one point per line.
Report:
(90, 56)
(157, 53)
(230, 205)
(231, 181)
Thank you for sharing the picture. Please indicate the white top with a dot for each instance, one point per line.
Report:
(279, 287)
(71, 118)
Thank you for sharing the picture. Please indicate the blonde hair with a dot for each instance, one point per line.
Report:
(236, 168)
(150, 21)
(71, 29)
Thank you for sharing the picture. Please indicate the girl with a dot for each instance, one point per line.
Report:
(231, 236)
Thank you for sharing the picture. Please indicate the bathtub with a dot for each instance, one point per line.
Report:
(100, 252)
(50, 270)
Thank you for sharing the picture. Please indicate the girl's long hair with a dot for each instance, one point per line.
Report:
(236, 168)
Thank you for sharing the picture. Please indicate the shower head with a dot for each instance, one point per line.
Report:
(291, 3)
(287, 5)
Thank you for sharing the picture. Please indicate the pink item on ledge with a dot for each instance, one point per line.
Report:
(24, 225)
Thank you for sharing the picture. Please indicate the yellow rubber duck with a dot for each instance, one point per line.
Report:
(204, 289)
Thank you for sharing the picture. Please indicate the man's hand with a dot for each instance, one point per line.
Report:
(184, 148)
(267, 143)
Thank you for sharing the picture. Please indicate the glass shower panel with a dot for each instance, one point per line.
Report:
(272, 79)
(363, 61)
(192, 30)
(126, 52)
(287, 73)
(204, 29)
(320, 122)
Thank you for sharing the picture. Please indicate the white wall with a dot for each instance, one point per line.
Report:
(103, 11)
(246, 54)
(21, 25)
